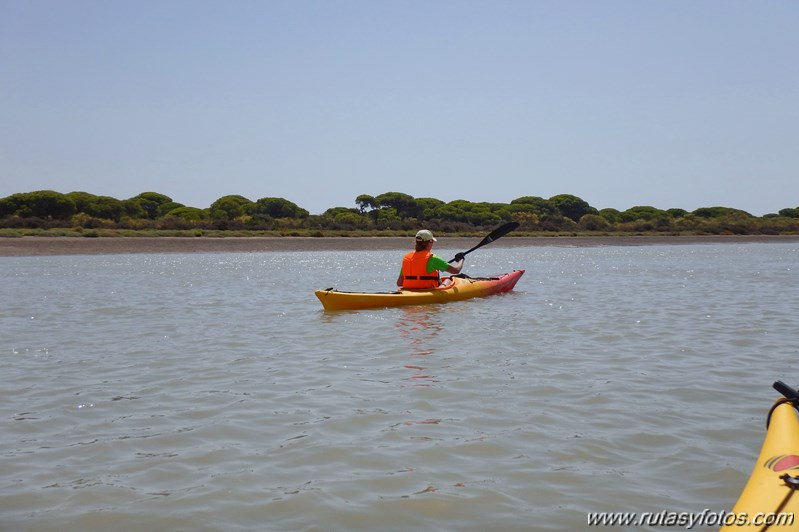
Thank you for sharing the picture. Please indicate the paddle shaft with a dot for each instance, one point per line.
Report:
(496, 234)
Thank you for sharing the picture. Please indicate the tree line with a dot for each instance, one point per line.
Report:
(390, 211)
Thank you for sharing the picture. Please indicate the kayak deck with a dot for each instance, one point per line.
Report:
(771, 491)
(454, 288)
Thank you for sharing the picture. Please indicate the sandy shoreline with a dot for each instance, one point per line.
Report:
(33, 246)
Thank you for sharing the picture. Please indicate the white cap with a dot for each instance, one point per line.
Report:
(425, 235)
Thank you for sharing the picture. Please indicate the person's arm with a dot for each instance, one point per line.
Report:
(455, 268)
(400, 278)
(442, 265)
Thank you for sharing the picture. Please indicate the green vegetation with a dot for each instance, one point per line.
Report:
(388, 214)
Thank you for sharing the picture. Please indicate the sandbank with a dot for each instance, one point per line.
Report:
(40, 245)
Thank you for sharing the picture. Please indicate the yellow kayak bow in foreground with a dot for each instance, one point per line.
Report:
(770, 499)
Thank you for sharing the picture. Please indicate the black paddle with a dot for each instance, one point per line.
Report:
(788, 392)
(791, 396)
(496, 234)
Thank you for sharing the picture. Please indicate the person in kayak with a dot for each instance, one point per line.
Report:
(420, 267)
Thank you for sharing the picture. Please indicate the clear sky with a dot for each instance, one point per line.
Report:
(668, 103)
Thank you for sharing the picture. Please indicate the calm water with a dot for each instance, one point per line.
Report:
(211, 392)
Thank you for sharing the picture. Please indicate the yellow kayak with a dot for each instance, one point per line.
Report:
(770, 501)
(455, 288)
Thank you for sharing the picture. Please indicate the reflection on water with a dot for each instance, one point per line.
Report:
(418, 327)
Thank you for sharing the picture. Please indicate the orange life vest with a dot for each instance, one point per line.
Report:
(414, 271)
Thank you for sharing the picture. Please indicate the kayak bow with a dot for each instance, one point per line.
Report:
(771, 491)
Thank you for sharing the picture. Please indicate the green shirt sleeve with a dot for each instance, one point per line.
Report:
(436, 263)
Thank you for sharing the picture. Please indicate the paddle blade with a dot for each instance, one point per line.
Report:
(496, 234)
(787, 391)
